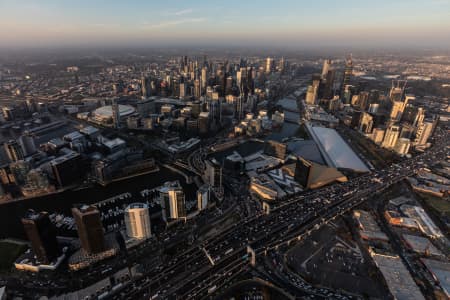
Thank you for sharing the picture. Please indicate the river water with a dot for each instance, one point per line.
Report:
(10, 213)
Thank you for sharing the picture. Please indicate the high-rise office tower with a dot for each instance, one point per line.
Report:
(197, 89)
(316, 83)
(269, 65)
(42, 235)
(397, 90)
(374, 96)
(203, 194)
(90, 228)
(137, 221)
(366, 123)
(146, 87)
(115, 113)
(329, 90)
(240, 107)
(204, 79)
(420, 117)
(311, 95)
(378, 135)
(67, 168)
(173, 203)
(214, 173)
(348, 71)
(182, 87)
(229, 85)
(402, 146)
(215, 109)
(373, 108)
(203, 122)
(396, 110)
(398, 101)
(282, 65)
(326, 67)
(363, 100)
(238, 78)
(410, 114)
(391, 136)
(424, 131)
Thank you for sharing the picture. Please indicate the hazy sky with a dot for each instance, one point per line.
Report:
(281, 23)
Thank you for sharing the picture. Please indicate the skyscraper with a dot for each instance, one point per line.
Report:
(203, 194)
(240, 107)
(326, 67)
(182, 88)
(398, 101)
(402, 146)
(269, 65)
(281, 65)
(90, 228)
(137, 221)
(366, 123)
(67, 168)
(348, 71)
(172, 202)
(197, 89)
(146, 87)
(42, 235)
(378, 135)
(311, 95)
(391, 136)
(115, 113)
(424, 131)
(214, 173)
(204, 79)
(329, 90)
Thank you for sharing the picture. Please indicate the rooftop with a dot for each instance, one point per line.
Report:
(114, 143)
(89, 130)
(335, 150)
(400, 283)
(137, 205)
(441, 271)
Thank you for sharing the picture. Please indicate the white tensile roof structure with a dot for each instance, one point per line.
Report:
(336, 152)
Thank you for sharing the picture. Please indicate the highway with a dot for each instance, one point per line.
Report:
(191, 274)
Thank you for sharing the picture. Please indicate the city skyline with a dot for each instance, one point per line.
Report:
(224, 150)
(289, 24)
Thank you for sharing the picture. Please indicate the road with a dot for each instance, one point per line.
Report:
(190, 274)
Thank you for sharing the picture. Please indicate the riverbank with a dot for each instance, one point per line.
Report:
(10, 212)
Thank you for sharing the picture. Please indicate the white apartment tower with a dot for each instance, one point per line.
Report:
(137, 221)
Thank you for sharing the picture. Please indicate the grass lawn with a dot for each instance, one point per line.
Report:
(9, 252)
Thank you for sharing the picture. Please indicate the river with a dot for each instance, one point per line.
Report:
(10, 213)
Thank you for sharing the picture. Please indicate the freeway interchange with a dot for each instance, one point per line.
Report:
(204, 268)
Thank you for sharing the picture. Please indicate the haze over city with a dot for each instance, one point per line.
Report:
(233, 150)
(285, 23)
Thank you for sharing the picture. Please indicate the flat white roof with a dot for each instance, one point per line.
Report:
(335, 150)
(114, 143)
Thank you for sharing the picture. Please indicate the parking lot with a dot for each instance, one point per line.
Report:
(331, 258)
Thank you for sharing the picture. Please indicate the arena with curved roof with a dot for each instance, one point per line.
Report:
(105, 113)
